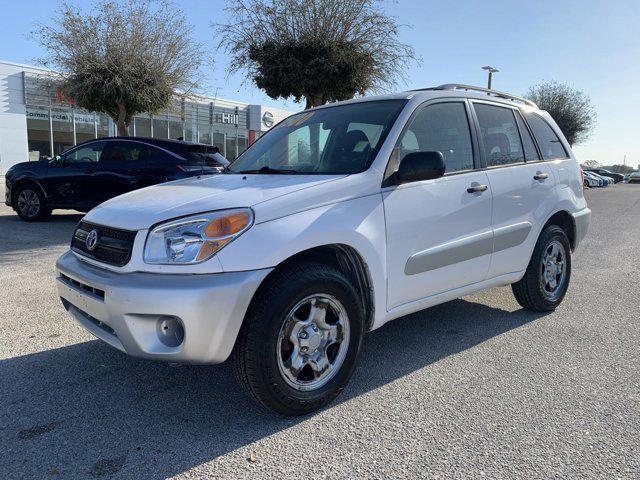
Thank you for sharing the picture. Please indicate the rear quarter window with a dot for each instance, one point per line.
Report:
(205, 155)
(550, 145)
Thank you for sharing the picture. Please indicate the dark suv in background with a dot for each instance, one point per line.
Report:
(92, 172)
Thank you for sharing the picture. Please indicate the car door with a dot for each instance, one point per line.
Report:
(438, 231)
(162, 166)
(69, 177)
(522, 185)
(120, 170)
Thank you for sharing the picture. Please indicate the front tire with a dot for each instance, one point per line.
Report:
(546, 280)
(31, 204)
(300, 339)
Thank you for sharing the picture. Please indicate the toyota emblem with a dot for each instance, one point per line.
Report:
(92, 240)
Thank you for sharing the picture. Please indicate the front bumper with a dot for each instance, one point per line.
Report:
(126, 310)
(582, 219)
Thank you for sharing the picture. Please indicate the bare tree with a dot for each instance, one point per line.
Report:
(122, 57)
(570, 108)
(316, 50)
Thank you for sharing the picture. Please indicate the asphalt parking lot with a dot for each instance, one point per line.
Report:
(473, 388)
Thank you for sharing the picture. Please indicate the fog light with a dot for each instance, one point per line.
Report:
(170, 331)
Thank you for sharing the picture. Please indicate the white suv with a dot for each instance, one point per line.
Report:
(338, 220)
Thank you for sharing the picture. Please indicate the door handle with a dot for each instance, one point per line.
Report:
(541, 176)
(475, 187)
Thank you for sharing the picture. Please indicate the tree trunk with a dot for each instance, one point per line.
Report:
(122, 122)
(123, 129)
(314, 100)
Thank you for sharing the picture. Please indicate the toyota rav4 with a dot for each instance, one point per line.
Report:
(338, 220)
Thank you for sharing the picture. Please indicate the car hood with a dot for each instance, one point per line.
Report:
(143, 208)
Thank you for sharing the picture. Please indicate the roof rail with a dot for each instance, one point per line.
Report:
(459, 86)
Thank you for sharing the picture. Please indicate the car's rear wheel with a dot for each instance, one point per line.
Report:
(300, 339)
(546, 280)
(30, 204)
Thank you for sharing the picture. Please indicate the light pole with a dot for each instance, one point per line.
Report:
(491, 71)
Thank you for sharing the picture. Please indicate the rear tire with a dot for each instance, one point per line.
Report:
(287, 326)
(30, 204)
(547, 277)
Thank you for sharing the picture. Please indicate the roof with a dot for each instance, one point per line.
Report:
(160, 142)
(446, 90)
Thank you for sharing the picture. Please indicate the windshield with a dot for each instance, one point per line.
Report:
(334, 140)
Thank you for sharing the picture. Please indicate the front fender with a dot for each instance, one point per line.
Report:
(358, 223)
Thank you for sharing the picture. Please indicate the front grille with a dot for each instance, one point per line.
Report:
(113, 245)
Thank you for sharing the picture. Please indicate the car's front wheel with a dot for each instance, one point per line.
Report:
(546, 280)
(300, 339)
(30, 204)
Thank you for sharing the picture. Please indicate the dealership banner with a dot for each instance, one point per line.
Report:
(57, 116)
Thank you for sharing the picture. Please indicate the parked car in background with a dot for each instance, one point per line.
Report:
(634, 177)
(589, 181)
(92, 172)
(285, 260)
(599, 181)
(617, 177)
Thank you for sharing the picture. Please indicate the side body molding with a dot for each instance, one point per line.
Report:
(467, 248)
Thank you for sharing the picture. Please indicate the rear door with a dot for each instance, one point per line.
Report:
(120, 170)
(438, 231)
(522, 185)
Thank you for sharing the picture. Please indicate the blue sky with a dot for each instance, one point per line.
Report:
(593, 45)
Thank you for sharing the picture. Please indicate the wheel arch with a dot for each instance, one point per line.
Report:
(564, 220)
(344, 258)
(17, 184)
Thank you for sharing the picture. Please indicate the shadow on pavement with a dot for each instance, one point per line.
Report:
(86, 409)
(17, 236)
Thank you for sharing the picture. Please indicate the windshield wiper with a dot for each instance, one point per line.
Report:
(268, 170)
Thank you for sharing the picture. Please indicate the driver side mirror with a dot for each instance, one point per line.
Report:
(418, 166)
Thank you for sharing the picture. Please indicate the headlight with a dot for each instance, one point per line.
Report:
(195, 238)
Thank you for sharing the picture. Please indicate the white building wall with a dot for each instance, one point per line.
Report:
(13, 120)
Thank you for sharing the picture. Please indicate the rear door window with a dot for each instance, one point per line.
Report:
(500, 135)
(206, 156)
(549, 143)
(123, 152)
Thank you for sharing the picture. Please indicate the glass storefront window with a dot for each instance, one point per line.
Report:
(193, 119)
(190, 121)
(85, 126)
(175, 128)
(231, 148)
(243, 144)
(205, 134)
(143, 126)
(160, 126)
(62, 130)
(38, 133)
(218, 141)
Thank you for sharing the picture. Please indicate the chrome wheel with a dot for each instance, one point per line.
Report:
(28, 203)
(313, 342)
(553, 270)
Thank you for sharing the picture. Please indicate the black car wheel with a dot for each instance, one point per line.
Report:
(30, 204)
(546, 280)
(300, 339)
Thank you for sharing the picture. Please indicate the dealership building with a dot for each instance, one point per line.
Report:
(36, 119)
